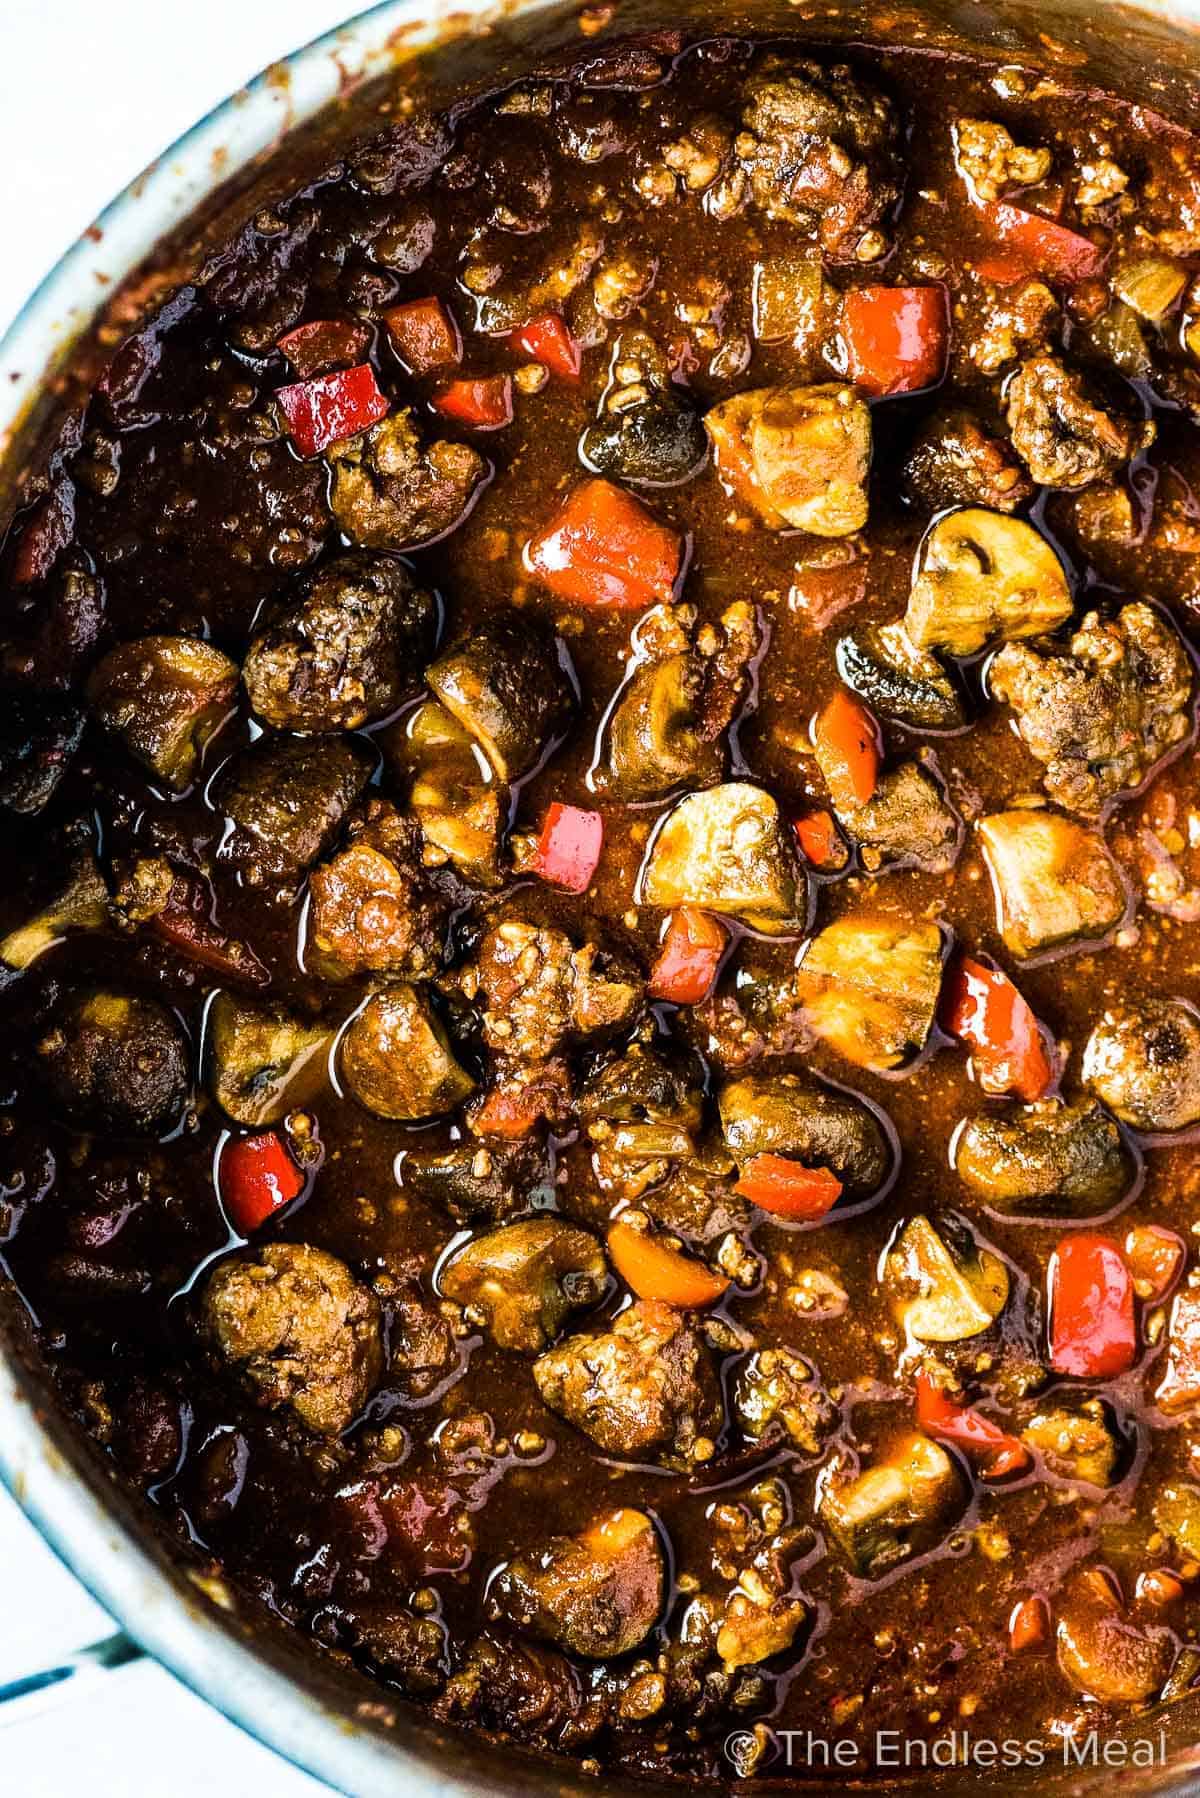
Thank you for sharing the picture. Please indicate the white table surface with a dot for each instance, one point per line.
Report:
(91, 91)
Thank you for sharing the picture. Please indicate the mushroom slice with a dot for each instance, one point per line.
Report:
(869, 983)
(1055, 881)
(728, 849)
(80, 903)
(523, 1280)
(984, 578)
(943, 1286)
(262, 1062)
(451, 795)
(506, 685)
(898, 681)
(396, 1060)
(1044, 1160)
(1102, 1653)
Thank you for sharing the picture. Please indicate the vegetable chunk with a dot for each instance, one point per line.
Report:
(869, 984)
(981, 578)
(728, 850)
(798, 455)
(898, 1508)
(164, 697)
(523, 1280)
(397, 1062)
(1144, 1062)
(595, 1594)
(943, 1286)
(1055, 882)
(1045, 1160)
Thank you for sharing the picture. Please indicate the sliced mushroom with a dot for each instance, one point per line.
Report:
(1045, 1160)
(869, 983)
(454, 799)
(80, 903)
(984, 578)
(521, 1282)
(1102, 1653)
(507, 686)
(901, 683)
(794, 1114)
(263, 1062)
(396, 1060)
(729, 850)
(942, 1284)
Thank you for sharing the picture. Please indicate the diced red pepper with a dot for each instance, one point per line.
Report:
(330, 408)
(569, 847)
(819, 841)
(547, 340)
(485, 405)
(996, 1452)
(786, 1189)
(847, 738)
(897, 338)
(1093, 1326)
(257, 1177)
(425, 335)
(1154, 1256)
(325, 343)
(1028, 244)
(184, 923)
(655, 1270)
(603, 548)
(1028, 1625)
(687, 962)
(982, 1007)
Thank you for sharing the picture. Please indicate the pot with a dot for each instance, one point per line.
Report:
(328, 1719)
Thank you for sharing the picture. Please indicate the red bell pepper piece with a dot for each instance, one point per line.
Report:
(547, 340)
(982, 1441)
(786, 1189)
(425, 335)
(325, 343)
(485, 405)
(847, 739)
(1028, 244)
(257, 1177)
(687, 962)
(897, 338)
(184, 923)
(603, 548)
(982, 1007)
(1028, 1625)
(568, 850)
(1093, 1328)
(819, 841)
(330, 408)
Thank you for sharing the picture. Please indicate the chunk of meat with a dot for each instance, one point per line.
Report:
(372, 908)
(1143, 1060)
(1100, 1651)
(907, 822)
(263, 1062)
(410, 1651)
(775, 1396)
(397, 1062)
(299, 1328)
(115, 1062)
(1055, 882)
(685, 687)
(1045, 1160)
(983, 578)
(1064, 438)
(164, 697)
(422, 1345)
(521, 1282)
(287, 798)
(953, 461)
(870, 983)
(899, 1507)
(644, 1390)
(990, 161)
(899, 682)
(1100, 716)
(1179, 1387)
(820, 147)
(533, 1695)
(795, 1114)
(727, 849)
(39, 734)
(647, 432)
(1020, 317)
(541, 992)
(596, 1594)
(799, 456)
(507, 685)
(345, 649)
(388, 492)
